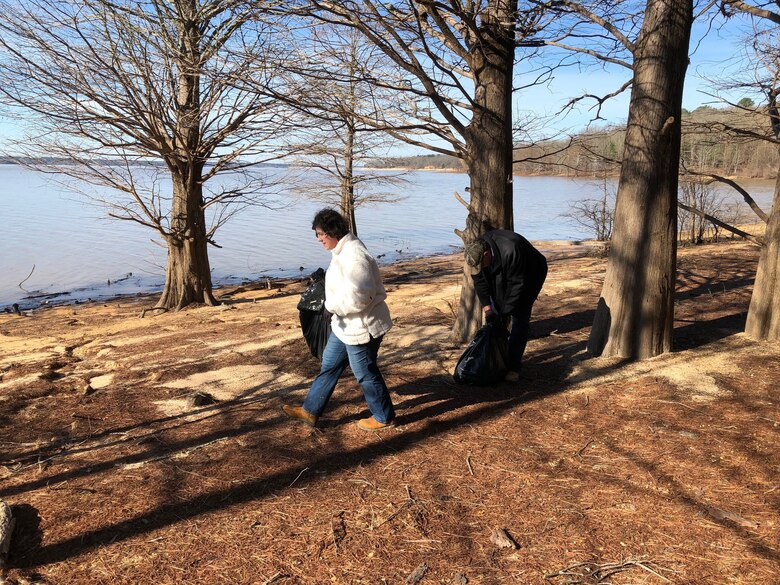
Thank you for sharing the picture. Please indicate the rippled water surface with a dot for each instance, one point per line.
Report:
(56, 241)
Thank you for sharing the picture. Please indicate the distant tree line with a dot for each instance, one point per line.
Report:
(707, 145)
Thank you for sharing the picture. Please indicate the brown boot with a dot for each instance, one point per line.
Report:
(298, 413)
(371, 424)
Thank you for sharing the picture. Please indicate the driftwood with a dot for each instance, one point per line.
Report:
(7, 522)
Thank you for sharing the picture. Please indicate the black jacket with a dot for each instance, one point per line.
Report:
(515, 275)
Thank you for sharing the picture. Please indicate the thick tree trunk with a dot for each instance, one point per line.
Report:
(635, 313)
(187, 274)
(763, 320)
(489, 146)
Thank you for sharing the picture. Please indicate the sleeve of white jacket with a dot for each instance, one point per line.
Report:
(357, 286)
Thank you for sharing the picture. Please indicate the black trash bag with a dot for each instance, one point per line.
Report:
(484, 363)
(313, 298)
(314, 317)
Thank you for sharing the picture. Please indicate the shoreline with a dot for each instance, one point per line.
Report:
(36, 301)
(64, 298)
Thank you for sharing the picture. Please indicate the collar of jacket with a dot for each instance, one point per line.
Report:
(342, 242)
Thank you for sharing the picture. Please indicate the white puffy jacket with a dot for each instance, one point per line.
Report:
(354, 293)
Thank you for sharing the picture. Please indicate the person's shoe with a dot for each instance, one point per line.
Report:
(298, 413)
(512, 376)
(371, 424)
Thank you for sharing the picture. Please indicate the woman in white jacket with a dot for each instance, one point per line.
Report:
(355, 295)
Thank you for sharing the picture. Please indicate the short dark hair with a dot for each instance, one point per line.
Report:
(331, 222)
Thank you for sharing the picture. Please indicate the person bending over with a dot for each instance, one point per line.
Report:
(508, 275)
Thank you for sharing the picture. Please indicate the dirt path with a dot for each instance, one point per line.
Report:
(663, 471)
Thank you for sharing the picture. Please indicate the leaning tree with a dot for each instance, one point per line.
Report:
(763, 320)
(124, 90)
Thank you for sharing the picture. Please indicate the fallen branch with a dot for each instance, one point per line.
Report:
(593, 574)
(725, 226)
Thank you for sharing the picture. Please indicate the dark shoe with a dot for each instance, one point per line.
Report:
(298, 413)
(371, 424)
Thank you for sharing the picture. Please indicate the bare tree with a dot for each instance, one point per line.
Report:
(126, 92)
(763, 321)
(701, 197)
(328, 79)
(457, 60)
(596, 215)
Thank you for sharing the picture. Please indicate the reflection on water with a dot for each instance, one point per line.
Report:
(54, 241)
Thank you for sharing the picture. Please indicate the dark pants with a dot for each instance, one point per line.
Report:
(519, 325)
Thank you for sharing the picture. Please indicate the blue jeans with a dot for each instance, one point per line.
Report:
(362, 360)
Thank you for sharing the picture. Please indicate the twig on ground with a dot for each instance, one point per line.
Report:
(409, 501)
(468, 463)
(593, 574)
(163, 309)
(299, 476)
(585, 446)
(681, 404)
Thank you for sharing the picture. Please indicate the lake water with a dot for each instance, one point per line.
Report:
(55, 241)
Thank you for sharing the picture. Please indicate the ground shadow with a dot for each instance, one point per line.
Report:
(700, 333)
(27, 536)
(484, 405)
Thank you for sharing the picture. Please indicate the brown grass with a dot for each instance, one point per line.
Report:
(602, 471)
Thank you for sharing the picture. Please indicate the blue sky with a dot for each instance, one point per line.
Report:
(713, 53)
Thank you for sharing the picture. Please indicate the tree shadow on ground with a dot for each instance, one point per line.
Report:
(421, 403)
(562, 324)
(701, 333)
(474, 407)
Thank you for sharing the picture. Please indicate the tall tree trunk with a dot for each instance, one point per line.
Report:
(635, 313)
(489, 146)
(763, 320)
(187, 275)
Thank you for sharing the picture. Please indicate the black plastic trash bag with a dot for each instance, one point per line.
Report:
(484, 361)
(315, 319)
